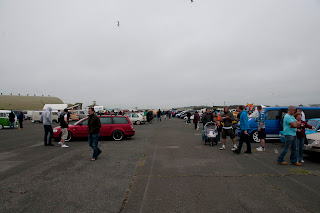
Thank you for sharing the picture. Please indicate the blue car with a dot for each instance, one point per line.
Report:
(274, 118)
(312, 122)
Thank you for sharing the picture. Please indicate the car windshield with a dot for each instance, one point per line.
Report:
(314, 123)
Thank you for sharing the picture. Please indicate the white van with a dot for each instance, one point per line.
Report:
(37, 115)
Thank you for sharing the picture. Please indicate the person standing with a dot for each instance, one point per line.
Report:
(244, 127)
(21, 118)
(159, 115)
(12, 118)
(64, 128)
(189, 116)
(47, 122)
(196, 120)
(290, 125)
(227, 129)
(59, 113)
(94, 126)
(261, 120)
(206, 117)
(301, 134)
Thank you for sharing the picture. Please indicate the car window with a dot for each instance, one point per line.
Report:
(40, 113)
(106, 120)
(120, 120)
(84, 122)
(135, 115)
(272, 114)
(313, 123)
(2, 115)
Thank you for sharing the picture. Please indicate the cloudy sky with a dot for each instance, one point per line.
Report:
(165, 53)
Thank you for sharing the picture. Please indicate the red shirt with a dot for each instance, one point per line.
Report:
(303, 126)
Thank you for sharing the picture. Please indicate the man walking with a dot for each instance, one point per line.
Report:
(47, 121)
(227, 130)
(290, 125)
(159, 115)
(94, 126)
(12, 118)
(244, 126)
(261, 120)
(64, 128)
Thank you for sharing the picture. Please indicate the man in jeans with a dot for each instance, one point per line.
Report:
(47, 121)
(261, 120)
(12, 118)
(244, 126)
(290, 125)
(94, 126)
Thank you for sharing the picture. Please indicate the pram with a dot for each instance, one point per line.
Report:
(210, 133)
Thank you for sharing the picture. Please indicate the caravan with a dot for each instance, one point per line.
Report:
(37, 115)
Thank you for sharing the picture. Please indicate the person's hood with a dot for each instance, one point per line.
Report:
(49, 109)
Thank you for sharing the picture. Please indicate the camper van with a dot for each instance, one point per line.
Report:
(4, 119)
(37, 115)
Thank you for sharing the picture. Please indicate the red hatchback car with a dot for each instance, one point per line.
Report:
(116, 126)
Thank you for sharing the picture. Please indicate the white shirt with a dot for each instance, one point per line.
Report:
(303, 116)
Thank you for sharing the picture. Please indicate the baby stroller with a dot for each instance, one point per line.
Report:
(210, 133)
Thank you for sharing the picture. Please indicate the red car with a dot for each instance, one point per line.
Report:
(116, 126)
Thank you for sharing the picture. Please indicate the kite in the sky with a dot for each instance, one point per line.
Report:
(118, 23)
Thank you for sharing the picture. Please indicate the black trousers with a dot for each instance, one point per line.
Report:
(244, 138)
(47, 129)
(20, 123)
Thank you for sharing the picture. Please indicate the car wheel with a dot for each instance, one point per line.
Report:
(117, 135)
(69, 138)
(1, 127)
(254, 137)
(138, 122)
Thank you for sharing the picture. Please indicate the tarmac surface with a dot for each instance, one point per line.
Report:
(164, 168)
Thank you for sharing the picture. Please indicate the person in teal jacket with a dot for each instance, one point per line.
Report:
(244, 126)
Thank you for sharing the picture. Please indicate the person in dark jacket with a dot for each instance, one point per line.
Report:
(12, 117)
(21, 118)
(196, 120)
(189, 117)
(94, 126)
(206, 117)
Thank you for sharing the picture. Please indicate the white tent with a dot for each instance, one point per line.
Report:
(56, 106)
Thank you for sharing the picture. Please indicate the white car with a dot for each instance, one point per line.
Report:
(136, 118)
(313, 143)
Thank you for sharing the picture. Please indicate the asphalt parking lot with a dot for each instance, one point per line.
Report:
(163, 168)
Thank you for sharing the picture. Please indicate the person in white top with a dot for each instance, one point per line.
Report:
(303, 116)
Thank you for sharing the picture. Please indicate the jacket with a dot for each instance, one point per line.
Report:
(46, 117)
(302, 129)
(244, 122)
(12, 117)
(207, 117)
(227, 121)
(94, 124)
(196, 118)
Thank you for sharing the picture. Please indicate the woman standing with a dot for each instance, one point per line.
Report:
(196, 120)
(301, 134)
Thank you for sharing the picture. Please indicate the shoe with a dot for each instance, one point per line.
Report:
(282, 163)
(64, 146)
(247, 152)
(60, 143)
(296, 164)
(223, 147)
(237, 151)
(260, 149)
(50, 144)
(302, 161)
(234, 148)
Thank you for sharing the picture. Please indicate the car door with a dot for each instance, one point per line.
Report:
(80, 129)
(106, 126)
(272, 123)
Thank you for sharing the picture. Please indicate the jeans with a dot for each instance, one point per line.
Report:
(11, 125)
(159, 118)
(47, 129)
(290, 143)
(244, 138)
(300, 146)
(189, 120)
(93, 142)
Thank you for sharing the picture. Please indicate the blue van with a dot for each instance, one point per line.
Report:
(274, 117)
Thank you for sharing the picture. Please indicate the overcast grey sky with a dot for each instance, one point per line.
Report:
(165, 53)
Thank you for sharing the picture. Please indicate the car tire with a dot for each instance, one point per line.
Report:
(117, 135)
(1, 127)
(138, 122)
(254, 137)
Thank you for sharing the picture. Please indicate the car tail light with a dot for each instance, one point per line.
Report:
(131, 126)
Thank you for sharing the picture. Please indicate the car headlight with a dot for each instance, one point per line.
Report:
(55, 130)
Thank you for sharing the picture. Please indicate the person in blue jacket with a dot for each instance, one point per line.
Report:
(244, 126)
